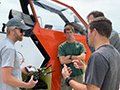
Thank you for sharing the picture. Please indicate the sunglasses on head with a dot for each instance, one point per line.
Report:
(21, 30)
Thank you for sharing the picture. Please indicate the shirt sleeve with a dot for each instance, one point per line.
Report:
(61, 51)
(114, 38)
(8, 58)
(82, 49)
(96, 70)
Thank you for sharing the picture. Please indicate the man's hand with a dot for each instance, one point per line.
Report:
(23, 70)
(79, 64)
(66, 71)
(31, 83)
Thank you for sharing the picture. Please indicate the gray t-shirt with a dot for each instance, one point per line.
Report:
(103, 69)
(9, 57)
(115, 40)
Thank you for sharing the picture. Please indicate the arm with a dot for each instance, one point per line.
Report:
(10, 80)
(65, 59)
(81, 56)
(75, 85)
(80, 86)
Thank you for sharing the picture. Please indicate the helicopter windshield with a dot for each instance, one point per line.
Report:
(54, 16)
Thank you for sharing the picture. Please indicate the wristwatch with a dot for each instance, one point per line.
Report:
(67, 80)
(70, 56)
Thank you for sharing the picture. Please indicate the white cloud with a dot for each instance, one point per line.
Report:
(110, 8)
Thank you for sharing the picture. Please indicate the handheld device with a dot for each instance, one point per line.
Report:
(29, 69)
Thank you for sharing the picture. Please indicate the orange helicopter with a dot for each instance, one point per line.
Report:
(40, 45)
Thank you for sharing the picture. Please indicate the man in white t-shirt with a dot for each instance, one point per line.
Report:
(10, 72)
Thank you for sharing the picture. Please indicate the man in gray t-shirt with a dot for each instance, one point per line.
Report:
(103, 69)
(114, 37)
(9, 58)
(10, 72)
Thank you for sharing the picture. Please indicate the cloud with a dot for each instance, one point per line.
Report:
(110, 8)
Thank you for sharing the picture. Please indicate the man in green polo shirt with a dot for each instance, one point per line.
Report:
(68, 51)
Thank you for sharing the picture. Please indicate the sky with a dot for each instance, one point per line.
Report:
(110, 8)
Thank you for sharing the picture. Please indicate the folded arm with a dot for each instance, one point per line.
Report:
(81, 56)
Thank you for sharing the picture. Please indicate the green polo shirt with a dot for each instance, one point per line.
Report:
(75, 48)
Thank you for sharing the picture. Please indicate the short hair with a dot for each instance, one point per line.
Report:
(8, 29)
(68, 27)
(102, 25)
(96, 14)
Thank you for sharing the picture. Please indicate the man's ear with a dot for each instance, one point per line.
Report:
(11, 30)
(95, 32)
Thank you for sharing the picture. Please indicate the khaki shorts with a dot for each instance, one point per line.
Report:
(78, 78)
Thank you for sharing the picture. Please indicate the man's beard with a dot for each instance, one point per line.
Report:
(17, 37)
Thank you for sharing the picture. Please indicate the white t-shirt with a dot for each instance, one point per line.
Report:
(9, 57)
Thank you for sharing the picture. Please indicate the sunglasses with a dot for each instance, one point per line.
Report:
(21, 30)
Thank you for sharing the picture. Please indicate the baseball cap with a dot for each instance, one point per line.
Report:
(18, 22)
